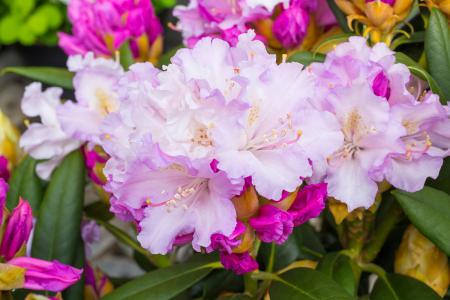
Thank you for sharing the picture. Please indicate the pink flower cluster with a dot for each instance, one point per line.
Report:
(103, 26)
(187, 143)
(228, 19)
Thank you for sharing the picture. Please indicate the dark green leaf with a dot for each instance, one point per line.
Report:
(235, 297)
(417, 70)
(429, 211)
(26, 184)
(99, 211)
(221, 281)
(340, 16)
(416, 37)
(51, 76)
(442, 182)
(164, 284)
(75, 292)
(399, 287)
(307, 284)
(437, 49)
(341, 269)
(57, 230)
(165, 58)
(126, 56)
(306, 58)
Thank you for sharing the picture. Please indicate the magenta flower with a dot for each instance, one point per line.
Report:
(309, 203)
(239, 263)
(18, 229)
(224, 243)
(291, 25)
(272, 224)
(44, 275)
(4, 172)
(102, 26)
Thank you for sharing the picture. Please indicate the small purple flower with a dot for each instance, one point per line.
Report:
(226, 244)
(239, 263)
(44, 275)
(4, 172)
(381, 84)
(17, 230)
(291, 25)
(309, 203)
(272, 224)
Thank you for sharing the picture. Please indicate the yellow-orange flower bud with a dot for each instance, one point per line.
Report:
(247, 204)
(379, 13)
(421, 259)
(11, 277)
(9, 138)
(247, 241)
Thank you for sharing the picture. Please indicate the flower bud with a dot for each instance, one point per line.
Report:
(239, 263)
(42, 297)
(421, 259)
(4, 171)
(3, 194)
(309, 203)
(44, 275)
(97, 284)
(290, 26)
(9, 137)
(247, 241)
(379, 12)
(224, 243)
(247, 203)
(272, 224)
(17, 231)
(11, 277)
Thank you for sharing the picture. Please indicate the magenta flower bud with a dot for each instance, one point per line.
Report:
(17, 231)
(44, 275)
(291, 25)
(4, 172)
(272, 224)
(238, 263)
(226, 244)
(389, 2)
(309, 203)
(3, 194)
(380, 85)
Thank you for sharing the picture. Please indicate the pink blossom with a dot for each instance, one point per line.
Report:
(227, 243)
(44, 275)
(239, 263)
(4, 172)
(17, 231)
(102, 27)
(272, 224)
(291, 25)
(3, 195)
(309, 203)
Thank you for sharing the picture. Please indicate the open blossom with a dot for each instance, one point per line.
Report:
(94, 82)
(387, 129)
(228, 19)
(44, 275)
(45, 140)
(103, 26)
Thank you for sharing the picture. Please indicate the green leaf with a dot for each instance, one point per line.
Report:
(429, 211)
(437, 49)
(416, 37)
(165, 58)
(76, 291)
(341, 269)
(57, 230)
(99, 211)
(442, 181)
(307, 284)
(126, 56)
(51, 76)
(340, 16)
(306, 58)
(164, 283)
(417, 70)
(26, 184)
(399, 287)
(219, 282)
(332, 40)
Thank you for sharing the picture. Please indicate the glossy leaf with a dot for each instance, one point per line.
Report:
(306, 58)
(341, 269)
(166, 283)
(399, 287)
(429, 211)
(75, 292)
(26, 184)
(49, 75)
(442, 182)
(99, 211)
(417, 70)
(126, 56)
(57, 230)
(307, 284)
(437, 49)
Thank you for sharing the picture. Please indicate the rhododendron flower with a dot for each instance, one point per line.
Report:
(387, 129)
(221, 242)
(44, 275)
(239, 263)
(17, 231)
(94, 82)
(309, 203)
(272, 224)
(103, 26)
(228, 19)
(4, 172)
(45, 140)
(3, 194)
